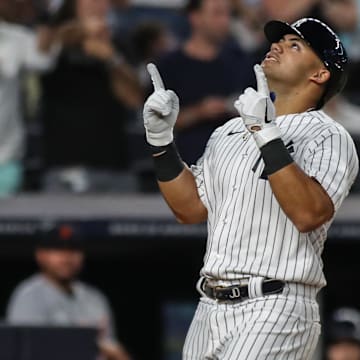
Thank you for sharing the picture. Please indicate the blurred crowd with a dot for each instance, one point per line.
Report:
(73, 81)
(55, 297)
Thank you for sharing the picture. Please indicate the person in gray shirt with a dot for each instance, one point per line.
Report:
(55, 297)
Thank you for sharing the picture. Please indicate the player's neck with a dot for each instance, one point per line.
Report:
(293, 102)
(199, 48)
(289, 105)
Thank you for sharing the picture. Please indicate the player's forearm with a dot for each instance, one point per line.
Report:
(178, 185)
(176, 181)
(302, 198)
(183, 199)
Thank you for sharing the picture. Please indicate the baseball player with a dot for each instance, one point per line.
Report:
(268, 184)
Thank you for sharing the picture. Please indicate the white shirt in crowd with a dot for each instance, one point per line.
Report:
(18, 52)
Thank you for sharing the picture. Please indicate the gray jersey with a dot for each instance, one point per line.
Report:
(37, 301)
(248, 233)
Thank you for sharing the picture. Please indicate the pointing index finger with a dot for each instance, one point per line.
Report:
(262, 85)
(155, 77)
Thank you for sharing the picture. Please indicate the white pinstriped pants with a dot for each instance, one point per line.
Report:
(284, 326)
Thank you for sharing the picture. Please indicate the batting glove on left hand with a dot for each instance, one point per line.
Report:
(258, 111)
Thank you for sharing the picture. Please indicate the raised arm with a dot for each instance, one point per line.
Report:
(176, 181)
(300, 196)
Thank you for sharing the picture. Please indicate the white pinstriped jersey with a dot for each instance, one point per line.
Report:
(248, 233)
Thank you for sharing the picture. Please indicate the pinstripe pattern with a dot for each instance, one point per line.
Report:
(248, 233)
(275, 327)
(250, 236)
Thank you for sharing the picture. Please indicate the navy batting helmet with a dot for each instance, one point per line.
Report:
(325, 44)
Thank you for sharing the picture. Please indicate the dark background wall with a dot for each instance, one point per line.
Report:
(141, 275)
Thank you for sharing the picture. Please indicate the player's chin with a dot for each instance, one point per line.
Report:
(266, 66)
(269, 62)
(270, 66)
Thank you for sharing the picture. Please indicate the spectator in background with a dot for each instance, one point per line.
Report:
(344, 16)
(54, 297)
(207, 73)
(247, 25)
(85, 104)
(150, 41)
(249, 17)
(345, 113)
(288, 10)
(344, 349)
(20, 49)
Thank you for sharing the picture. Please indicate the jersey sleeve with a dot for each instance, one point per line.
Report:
(25, 308)
(333, 162)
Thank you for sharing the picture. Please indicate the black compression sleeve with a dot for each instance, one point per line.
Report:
(275, 156)
(167, 162)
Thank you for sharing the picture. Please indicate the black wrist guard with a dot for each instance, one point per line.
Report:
(167, 162)
(275, 156)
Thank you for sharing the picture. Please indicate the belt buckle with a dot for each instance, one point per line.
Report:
(235, 293)
(215, 291)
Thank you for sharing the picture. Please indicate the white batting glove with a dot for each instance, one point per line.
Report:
(161, 110)
(258, 111)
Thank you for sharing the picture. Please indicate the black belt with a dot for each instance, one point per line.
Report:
(240, 292)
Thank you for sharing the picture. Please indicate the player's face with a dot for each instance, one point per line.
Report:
(291, 61)
(344, 352)
(213, 20)
(92, 8)
(61, 265)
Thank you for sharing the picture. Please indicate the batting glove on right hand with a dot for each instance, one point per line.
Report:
(258, 111)
(161, 110)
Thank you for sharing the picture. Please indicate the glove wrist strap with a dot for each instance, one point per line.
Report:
(167, 162)
(267, 134)
(158, 140)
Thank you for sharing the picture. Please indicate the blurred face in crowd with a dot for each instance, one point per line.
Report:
(344, 351)
(20, 11)
(62, 265)
(120, 3)
(212, 20)
(92, 8)
(163, 43)
(7, 9)
(293, 63)
(342, 14)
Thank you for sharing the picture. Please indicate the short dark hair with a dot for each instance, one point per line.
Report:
(193, 5)
(65, 13)
(144, 36)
